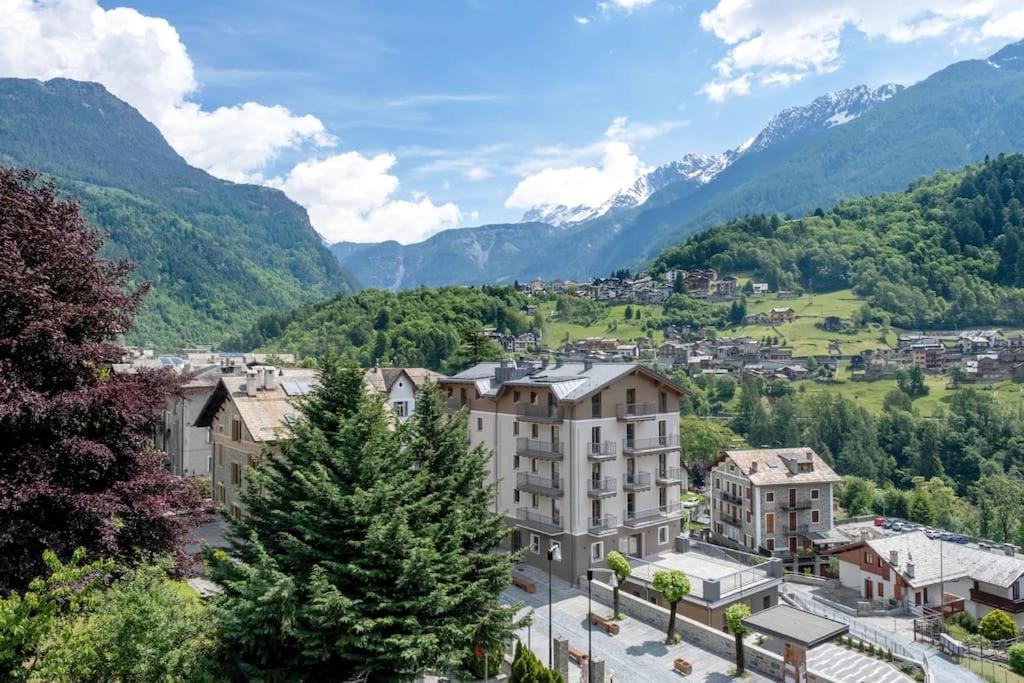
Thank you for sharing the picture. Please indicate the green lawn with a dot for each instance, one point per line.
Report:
(991, 671)
(612, 325)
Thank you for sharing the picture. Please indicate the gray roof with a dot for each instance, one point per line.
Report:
(795, 626)
(936, 560)
(568, 381)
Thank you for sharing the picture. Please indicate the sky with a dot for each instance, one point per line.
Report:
(395, 119)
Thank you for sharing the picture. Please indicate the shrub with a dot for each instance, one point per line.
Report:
(965, 620)
(997, 625)
(1015, 655)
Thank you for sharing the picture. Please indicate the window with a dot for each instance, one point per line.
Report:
(515, 462)
(555, 544)
(236, 430)
(533, 397)
(236, 474)
(662, 402)
(220, 455)
(869, 558)
(595, 436)
(815, 517)
(749, 516)
(236, 511)
(595, 405)
(533, 500)
(222, 495)
(662, 496)
(718, 483)
(462, 396)
(479, 424)
(209, 435)
(534, 431)
(769, 497)
(515, 429)
(597, 551)
(766, 602)
(769, 523)
(770, 544)
(515, 495)
(749, 493)
(881, 589)
(535, 544)
(401, 408)
(662, 535)
(515, 397)
(815, 494)
(209, 463)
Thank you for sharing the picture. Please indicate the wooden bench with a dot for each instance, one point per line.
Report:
(577, 655)
(525, 584)
(682, 666)
(607, 625)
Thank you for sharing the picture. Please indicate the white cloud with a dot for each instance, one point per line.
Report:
(582, 21)
(585, 175)
(351, 197)
(627, 5)
(142, 60)
(782, 42)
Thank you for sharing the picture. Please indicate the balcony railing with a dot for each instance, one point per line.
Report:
(602, 450)
(605, 524)
(545, 486)
(601, 487)
(542, 450)
(637, 481)
(636, 518)
(529, 517)
(730, 520)
(793, 528)
(732, 498)
(653, 444)
(669, 475)
(636, 411)
(538, 412)
(453, 404)
(798, 504)
(998, 601)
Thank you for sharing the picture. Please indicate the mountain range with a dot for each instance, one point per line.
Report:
(844, 144)
(219, 255)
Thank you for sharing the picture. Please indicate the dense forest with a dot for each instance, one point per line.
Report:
(433, 328)
(947, 252)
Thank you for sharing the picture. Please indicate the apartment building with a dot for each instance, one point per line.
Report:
(585, 456)
(775, 501)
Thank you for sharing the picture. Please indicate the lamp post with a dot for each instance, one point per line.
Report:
(554, 555)
(614, 583)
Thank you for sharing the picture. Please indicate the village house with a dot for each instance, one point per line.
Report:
(756, 319)
(928, 355)
(760, 287)
(781, 315)
(727, 285)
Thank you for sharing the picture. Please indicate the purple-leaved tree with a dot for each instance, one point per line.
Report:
(77, 468)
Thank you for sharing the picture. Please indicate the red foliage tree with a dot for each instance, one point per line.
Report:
(77, 466)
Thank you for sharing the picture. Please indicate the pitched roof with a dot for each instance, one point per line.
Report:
(936, 560)
(382, 379)
(266, 415)
(768, 466)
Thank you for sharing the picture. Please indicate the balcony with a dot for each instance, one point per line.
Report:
(601, 488)
(602, 450)
(731, 498)
(637, 481)
(537, 412)
(638, 518)
(666, 476)
(636, 412)
(453, 404)
(798, 504)
(542, 450)
(998, 601)
(600, 526)
(730, 520)
(791, 529)
(654, 444)
(532, 483)
(530, 518)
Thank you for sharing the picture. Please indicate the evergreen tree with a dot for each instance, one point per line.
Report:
(679, 284)
(369, 550)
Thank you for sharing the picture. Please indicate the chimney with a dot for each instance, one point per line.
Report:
(753, 467)
(910, 570)
(250, 383)
(270, 378)
(894, 558)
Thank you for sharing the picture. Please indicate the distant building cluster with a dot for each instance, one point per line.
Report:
(645, 288)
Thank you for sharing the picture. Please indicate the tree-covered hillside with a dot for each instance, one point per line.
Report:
(219, 254)
(433, 328)
(947, 252)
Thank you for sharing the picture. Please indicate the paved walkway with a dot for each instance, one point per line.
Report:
(840, 664)
(638, 653)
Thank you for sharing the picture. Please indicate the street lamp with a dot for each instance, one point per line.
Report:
(554, 555)
(614, 583)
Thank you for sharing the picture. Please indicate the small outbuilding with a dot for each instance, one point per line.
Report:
(799, 631)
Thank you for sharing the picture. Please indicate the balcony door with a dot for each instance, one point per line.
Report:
(595, 512)
(630, 468)
(630, 434)
(630, 397)
(554, 439)
(595, 439)
(662, 462)
(792, 498)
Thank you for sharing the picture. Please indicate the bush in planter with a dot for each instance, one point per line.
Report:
(1015, 656)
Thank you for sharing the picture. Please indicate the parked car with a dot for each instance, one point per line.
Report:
(960, 538)
(947, 536)
(888, 523)
(897, 526)
(879, 521)
(933, 533)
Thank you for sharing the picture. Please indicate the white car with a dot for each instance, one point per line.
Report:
(690, 504)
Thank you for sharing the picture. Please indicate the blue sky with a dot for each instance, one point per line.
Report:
(394, 119)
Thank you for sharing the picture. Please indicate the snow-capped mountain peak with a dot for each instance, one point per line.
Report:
(831, 109)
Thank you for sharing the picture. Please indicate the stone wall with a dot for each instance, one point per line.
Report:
(695, 633)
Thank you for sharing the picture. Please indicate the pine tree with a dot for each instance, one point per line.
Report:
(369, 550)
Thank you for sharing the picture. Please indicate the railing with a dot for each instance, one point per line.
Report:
(604, 486)
(545, 486)
(453, 404)
(535, 520)
(730, 520)
(631, 411)
(650, 444)
(538, 412)
(544, 450)
(669, 475)
(999, 601)
(636, 481)
(732, 498)
(603, 524)
(804, 504)
(602, 450)
(793, 529)
(651, 515)
(741, 580)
